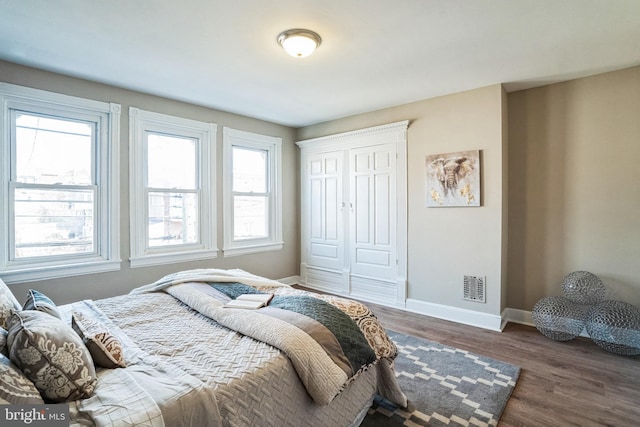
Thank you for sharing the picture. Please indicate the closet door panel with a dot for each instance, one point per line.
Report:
(325, 246)
(332, 200)
(360, 207)
(382, 225)
(372, 178)
(315, 208)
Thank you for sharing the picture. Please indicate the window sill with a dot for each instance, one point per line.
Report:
(172, 258)
(251, 249)
(33, 272)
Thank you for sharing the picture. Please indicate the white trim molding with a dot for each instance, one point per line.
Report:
(357, 137)
(291, 280)
(514, 315)
(523, 317)
(455, 314)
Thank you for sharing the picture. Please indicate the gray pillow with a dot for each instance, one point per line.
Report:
(4, 349)
(39, 301)
(51, 355)
(15, 387)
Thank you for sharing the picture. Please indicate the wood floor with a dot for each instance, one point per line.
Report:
(561, 384)
(573, 383)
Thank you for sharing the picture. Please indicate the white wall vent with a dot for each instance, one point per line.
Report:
(474, 288)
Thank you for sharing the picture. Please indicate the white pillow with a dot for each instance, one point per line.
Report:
(4, 290)
(8, 302)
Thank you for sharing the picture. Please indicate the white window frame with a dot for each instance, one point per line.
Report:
(273, 146)
(106, 116)
(140, 122)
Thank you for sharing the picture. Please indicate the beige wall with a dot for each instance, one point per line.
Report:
(560, 189)
(574, 186)
(446, 243)
(559, 161)
(275, 265)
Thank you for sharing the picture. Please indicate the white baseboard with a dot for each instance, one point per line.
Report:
(455, 314)
(517, 316)
(524, 318)
(291, 280)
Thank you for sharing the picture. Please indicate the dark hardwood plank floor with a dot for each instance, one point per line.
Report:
(573, 383)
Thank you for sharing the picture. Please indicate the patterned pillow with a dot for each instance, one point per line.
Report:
(39, 301)
(4, 349)
(5, 310)
(51, 355)
(105, 349)
(7, 302)
(15, 387)
(4, 290)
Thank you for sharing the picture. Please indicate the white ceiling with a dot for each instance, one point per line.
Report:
(374, 54)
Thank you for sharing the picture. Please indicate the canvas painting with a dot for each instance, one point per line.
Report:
(453, 179)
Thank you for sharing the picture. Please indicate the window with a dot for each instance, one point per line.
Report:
(252, 211)
(172, 189)
(59, 197)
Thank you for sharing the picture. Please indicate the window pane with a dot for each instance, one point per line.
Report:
(53, 222)
(171, 162)
(53, 151)
(249, 170)
(173, 218)
(251, 217)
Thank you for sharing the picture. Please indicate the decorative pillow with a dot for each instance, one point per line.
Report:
(105, 349)
(15, 387)
(5, 310)
(7, 302)
(4, 349)
(39, 301)
(4, 290)
(51, 355)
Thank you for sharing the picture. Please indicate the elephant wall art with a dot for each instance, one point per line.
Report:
(453, 179)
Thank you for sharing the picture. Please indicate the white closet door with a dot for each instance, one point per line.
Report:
(373, 212)
(325, 215)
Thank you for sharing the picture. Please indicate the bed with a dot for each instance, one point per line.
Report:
(187, 360)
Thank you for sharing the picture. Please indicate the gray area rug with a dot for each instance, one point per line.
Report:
(445, 386)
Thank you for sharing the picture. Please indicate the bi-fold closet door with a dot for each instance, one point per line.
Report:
(353, 238)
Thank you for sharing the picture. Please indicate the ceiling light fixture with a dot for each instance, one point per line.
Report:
(298, 42)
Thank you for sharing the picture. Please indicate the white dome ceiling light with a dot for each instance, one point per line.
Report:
(298, 42)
